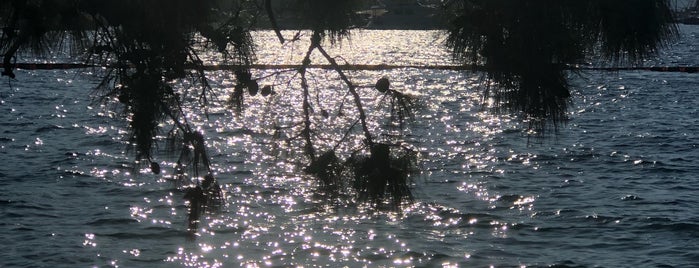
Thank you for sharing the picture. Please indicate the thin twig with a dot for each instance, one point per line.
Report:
(352, 90)
(306, 103)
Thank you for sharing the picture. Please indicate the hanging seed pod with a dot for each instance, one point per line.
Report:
(253, 87)
(383, 85)
(155, 168)
(266, 91)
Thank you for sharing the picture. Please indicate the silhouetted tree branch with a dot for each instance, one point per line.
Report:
(273, 21)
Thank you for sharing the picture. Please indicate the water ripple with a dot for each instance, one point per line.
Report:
(615, 188)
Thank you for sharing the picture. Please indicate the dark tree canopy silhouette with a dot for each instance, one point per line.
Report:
(147, 44)
(525, 47)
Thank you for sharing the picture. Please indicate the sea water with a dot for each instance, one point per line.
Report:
(615, 187)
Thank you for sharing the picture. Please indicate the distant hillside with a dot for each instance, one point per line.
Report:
(385, 14)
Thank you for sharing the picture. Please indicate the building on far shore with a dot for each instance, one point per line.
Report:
(402, 14)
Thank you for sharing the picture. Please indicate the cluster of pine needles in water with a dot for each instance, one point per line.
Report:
(203, 195)
(380, 173)
(381, 178)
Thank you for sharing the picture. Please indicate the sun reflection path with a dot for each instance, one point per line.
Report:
(273, 215)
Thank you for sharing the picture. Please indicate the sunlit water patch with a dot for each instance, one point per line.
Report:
(614, 188)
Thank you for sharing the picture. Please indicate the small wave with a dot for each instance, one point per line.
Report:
(241, 172)
(148, 233)
(566, 264)
(667, 170)
(150, 261)
(683, 227)
(73, 154)
(602, 219)
(509, 198)
(477, 220)
(17, 124)
(631, 198)
(102, 222)
(13, 215)
(23, 229)
(7, 202)
(242, 131)
(683, 188)
(48, 128)
(681, 159)
(229, 230)
(98, 143)
(583, 157)
(76, 173)
(565, 213)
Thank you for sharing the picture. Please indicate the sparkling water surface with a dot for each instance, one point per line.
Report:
(616, 187)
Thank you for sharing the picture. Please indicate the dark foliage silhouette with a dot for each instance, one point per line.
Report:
(526, 47)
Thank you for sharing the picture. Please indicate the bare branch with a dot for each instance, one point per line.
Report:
(306, 103)
(352, 90)
(273, 21)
